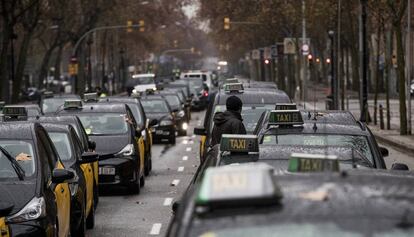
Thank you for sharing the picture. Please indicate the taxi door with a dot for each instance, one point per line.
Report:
(89, 180)
(202, 145)
(141, 147)
(62, 194)
(4, 229)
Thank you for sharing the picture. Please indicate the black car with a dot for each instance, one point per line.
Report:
(156, 107)
(180, 114)
(143, 124)
(253, 200)
(255, 102)
(186, 103)
(50, 103)
(71, 152)
(112, 127)
(34, 180)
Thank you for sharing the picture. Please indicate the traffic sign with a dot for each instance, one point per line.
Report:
(267, 53)
(304, 46)
(274, 51)
(289, 45)
(256, 54)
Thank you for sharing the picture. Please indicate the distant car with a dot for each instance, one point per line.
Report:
(50, 104)
(156, 107)
(180, 113)
(139, 83)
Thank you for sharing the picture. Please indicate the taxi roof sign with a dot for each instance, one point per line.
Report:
(233, 87)
(14, 113)
(72, 104)
(285, 117)
(232, 80)
(239, 143)
(286, 106)
(48, 94)
(313, 163)
(2, 104)
(246, 184)
(90, 97)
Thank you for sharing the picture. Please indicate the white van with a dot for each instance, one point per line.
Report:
(142, 82)
(206, 77)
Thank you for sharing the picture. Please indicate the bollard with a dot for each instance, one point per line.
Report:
(381, 114)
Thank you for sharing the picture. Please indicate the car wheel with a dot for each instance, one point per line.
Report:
(80, 232)
(172, 139)
(135, 186)
(142, 181)
(95, 196)
(90, 220)
(147, 166)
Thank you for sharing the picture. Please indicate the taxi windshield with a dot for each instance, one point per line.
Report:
(359, 143)
(173, 100)
(155, 106)
(250, 114)
(51, 105)
(62, 144)
(135, 112)
(23, 153)
(104, 123)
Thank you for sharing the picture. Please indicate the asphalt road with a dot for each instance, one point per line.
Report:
(148, 214)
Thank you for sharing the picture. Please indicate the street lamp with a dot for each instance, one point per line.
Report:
(331, 35)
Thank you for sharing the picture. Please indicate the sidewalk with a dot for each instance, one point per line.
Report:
(392, 137)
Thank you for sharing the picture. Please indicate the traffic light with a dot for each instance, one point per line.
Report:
(226, 23)
(129, 26)
(141, 26)
(266, 61)
(175, 43)
(310, 58)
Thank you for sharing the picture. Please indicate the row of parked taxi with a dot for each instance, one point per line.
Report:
(295, 173)
(56, 156)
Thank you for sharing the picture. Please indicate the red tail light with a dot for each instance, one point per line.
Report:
(205, 93)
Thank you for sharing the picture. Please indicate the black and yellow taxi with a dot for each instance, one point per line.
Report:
(255, 102)
(319, 129)
(112, 127)
(33, 179)
(50, 103)
(5, 209)
(156, 108)
(185, 103)
(180, 114)
(143, 125)
(87, 144)
(73, 156)
(254, 200)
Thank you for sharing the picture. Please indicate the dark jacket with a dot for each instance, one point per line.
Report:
(228, 122)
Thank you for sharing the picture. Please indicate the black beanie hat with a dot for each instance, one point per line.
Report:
(233, 103)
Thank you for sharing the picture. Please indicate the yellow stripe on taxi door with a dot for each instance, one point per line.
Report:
(4, 229)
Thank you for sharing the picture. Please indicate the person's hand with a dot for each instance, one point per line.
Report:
(23, 157)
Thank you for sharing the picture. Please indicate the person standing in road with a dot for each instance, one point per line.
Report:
(229, 121)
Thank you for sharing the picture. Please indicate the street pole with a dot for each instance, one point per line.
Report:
(409, 66)
(331, 34)
(338, 59)
(304, 66)
(364, 63)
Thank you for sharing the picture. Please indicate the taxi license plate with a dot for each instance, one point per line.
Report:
(106, 171)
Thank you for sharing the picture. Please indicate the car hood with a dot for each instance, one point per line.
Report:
(110, 144)
(158, 116)
(17, 193)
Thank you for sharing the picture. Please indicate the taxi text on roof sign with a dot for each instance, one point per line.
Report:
(313, 163)
(233, 87)
(72, 104)
(285, 117)
(239, 143)
(247, 184)
(290, 106)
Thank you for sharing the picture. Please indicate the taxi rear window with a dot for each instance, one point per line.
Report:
(360, 143)
(23, 152)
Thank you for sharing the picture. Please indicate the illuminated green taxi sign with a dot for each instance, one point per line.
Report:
(313, 163)
(246, 184)
(285, 117)
(90, 97)
(286, 106)
(72, 104)
(233, 87)
(239, 143)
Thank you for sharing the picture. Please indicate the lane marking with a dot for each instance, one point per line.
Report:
(168, 201)
(180, 169)
(175, 182)
(185, 157)
(156, 228)
(185, 142)
(188, 149)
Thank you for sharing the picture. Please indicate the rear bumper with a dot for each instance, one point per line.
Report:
(117, 171)
(163, 132)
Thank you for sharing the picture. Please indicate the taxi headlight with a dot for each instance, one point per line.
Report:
(134, 91)
(33, 210)
(185, 126)
(128, 150)
(181, 113)
(166, 123)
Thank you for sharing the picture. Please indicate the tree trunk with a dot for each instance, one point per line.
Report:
(387, 72)
(376, 71)
(401, 78)
(21, 65)
(56, 74)
(4, 72)
(44, 66)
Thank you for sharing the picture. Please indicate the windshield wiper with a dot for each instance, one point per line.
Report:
(16, 166)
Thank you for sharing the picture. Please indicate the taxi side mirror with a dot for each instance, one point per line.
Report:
(88, 157)
(200, 131)
(61, 176)
(5, 208)
(91, 145)
(399, 166)
(384, 151)
(152, 122)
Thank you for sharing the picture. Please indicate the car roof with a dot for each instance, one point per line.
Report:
(98, 108)
(53, 127)
(329, 116)
(318, 128)
(62, 96)
(255, 96)
(18, 130)
(123, 99)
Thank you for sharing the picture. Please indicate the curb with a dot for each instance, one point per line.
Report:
(398, 146)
